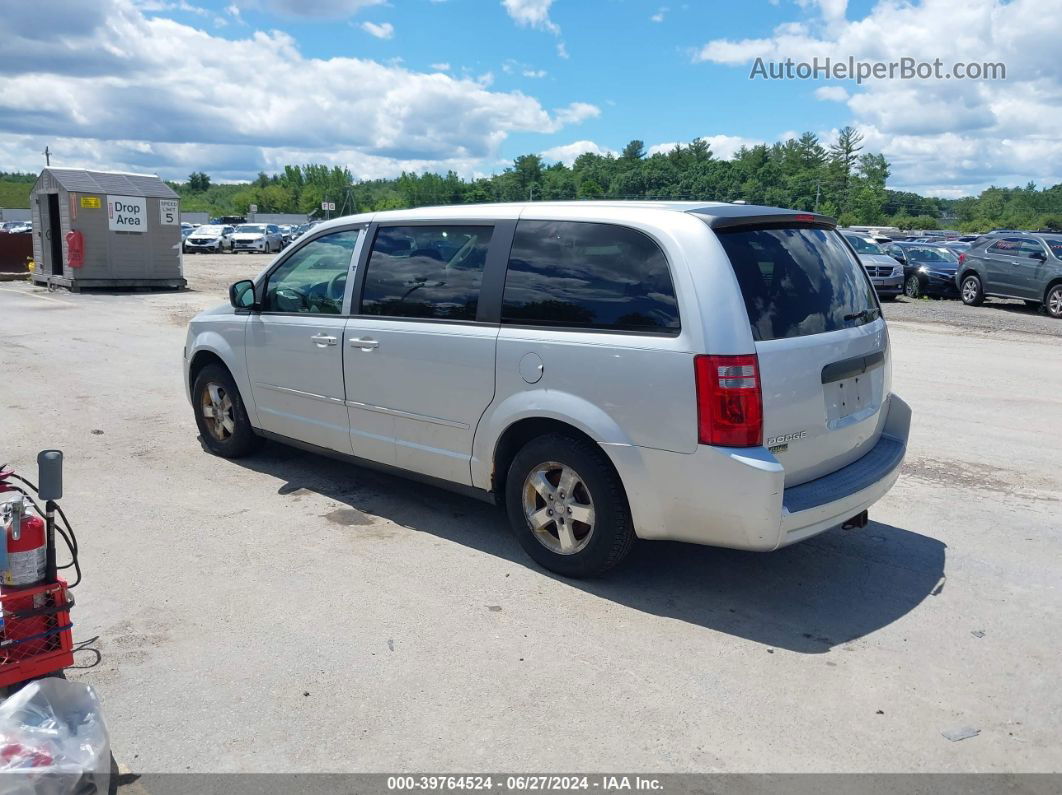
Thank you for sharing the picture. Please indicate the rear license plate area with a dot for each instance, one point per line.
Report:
(849, 396)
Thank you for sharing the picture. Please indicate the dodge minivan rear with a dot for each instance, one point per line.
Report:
(703, 372)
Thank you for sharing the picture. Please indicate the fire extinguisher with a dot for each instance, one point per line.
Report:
(27, 556)
(24, 557)
(75, 249)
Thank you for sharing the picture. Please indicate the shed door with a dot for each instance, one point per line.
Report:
(53, 236)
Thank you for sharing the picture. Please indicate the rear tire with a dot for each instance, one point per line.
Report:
(220, 415)
(567, 506)
(972, 292)
(1053, 304)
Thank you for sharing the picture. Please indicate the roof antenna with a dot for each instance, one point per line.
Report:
(47, 157)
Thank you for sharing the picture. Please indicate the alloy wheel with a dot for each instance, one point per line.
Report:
(969, 290)
(558, 508)
(1054, 302)
(217, 408)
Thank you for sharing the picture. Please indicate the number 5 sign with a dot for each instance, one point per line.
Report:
(168, 214)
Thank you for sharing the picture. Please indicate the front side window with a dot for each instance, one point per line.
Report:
(1031, 249)
(588, 275)
(426, 271)
(798, 281)
(314, 278)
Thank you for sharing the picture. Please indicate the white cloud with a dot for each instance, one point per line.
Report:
(659, 15)
(936, 132)
(319, 9)
(569, 152)
(384, 30)
(723, 147)
(165, 89)
(535, 14)
(532, 13)
(441, 67)
(832, 93)
(577, 112)
(534, 73)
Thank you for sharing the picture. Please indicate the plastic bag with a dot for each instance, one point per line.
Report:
(53, 740)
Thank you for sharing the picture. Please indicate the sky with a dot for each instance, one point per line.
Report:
(234, 87)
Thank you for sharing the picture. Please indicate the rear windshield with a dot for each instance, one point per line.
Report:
(798, 281)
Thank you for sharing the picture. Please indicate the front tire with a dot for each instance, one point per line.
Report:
(1053, 304)
(220, 414)
(912, 288)
(567, 506)
(972, 292)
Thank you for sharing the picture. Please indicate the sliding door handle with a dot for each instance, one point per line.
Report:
(323, 340)
(364, 343)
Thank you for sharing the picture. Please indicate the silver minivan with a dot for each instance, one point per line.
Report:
(702, 372)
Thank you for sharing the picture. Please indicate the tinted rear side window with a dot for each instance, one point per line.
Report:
(426, 271)
(587, 275)
(798, 281)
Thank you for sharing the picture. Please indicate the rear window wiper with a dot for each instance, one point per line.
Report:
(863, 315)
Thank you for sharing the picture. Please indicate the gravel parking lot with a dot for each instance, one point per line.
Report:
(288, 612)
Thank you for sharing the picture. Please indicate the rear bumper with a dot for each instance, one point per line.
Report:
(737, 498)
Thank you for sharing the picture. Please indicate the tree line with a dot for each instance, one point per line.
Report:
(837, 178)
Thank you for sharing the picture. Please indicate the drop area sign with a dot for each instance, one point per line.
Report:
(126, 214)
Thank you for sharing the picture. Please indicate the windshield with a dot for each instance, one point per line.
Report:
(213, 231)
(932, 255)
(254, 228)
(864, 246)
(1056, 247)
(798, 281)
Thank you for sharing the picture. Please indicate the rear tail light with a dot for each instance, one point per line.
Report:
(729, 400)
(962, 258)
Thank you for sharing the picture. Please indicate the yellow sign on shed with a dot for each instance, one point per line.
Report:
(90, 202)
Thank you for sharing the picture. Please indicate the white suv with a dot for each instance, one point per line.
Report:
(704, 372)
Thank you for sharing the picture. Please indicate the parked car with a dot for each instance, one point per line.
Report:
(1027, 267)
(261, 238)
(712, 373)
(9, 226)
(957, 246)
(211, 238)
(927, 269)
(884, 272)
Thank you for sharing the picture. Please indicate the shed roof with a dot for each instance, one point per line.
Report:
(113, 182)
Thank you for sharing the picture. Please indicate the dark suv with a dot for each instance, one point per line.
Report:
(1026, 267)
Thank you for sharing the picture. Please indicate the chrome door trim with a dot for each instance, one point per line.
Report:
(300, 393)
(408, 415)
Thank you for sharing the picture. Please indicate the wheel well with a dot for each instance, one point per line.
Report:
(201, 360)
(969, 272)
(1050, 286)
(520, 433)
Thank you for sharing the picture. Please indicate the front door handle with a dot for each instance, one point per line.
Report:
(365, 343)
(323, 340)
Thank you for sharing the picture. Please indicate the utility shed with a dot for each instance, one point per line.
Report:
(129, 224)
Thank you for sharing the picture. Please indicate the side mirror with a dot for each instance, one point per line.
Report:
(241, 294)
(1038, 255)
